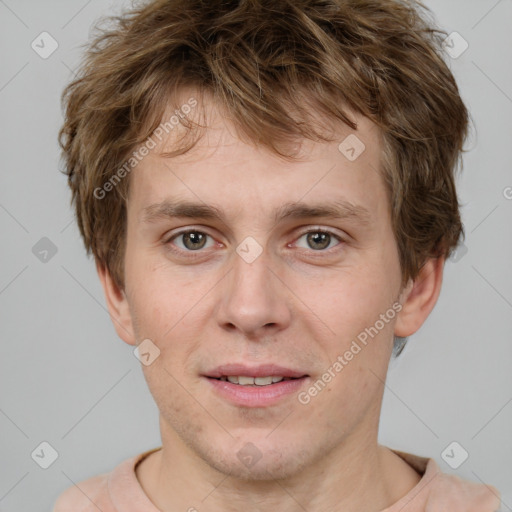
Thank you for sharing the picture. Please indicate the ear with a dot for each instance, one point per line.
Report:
(117, 304)
(419, 297)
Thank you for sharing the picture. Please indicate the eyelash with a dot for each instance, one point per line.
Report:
(168, 240)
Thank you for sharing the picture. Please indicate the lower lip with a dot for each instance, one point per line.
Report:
(256, 396)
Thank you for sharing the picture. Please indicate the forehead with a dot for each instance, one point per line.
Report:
(225, 170)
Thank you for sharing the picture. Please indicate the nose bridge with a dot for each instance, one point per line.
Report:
(253, 296)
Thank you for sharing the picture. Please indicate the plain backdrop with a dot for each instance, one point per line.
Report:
(67, 379)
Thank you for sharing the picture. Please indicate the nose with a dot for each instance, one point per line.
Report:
(254, 299)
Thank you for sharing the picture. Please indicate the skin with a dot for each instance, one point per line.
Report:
(296, 305)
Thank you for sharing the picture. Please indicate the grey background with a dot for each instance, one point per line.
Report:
(66, 378)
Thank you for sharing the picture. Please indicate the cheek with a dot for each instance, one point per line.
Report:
(353, 300)
(150, 307)
(176, 405)
(358, 308)
(154, 298)
(346, 401)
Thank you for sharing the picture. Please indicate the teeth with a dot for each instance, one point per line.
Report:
(253, 381)
(246, 381)
(263, 381)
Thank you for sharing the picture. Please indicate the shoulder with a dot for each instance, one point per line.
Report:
(441, 491)
(108, 491)
(85, 496)
(464, 495)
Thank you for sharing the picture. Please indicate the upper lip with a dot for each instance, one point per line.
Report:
(264, 370)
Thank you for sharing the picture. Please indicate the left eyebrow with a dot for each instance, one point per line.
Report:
(337, 210)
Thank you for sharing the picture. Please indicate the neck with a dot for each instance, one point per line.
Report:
(359, 475)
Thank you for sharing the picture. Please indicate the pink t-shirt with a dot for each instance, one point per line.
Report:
(120, 491)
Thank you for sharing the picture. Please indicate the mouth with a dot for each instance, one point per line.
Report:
(244, 380)
(259, 386)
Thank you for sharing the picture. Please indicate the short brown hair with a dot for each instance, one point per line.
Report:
(260, 60)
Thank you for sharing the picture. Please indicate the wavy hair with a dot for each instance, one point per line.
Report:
(269, 64)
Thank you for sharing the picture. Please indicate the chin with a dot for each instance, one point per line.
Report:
(247, 462)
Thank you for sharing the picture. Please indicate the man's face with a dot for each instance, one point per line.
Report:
(257, 294)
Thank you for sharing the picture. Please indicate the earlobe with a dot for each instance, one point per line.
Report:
(117, 304)
(420, 297)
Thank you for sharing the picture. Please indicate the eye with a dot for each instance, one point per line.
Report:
(192, 240)
(319, 239)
